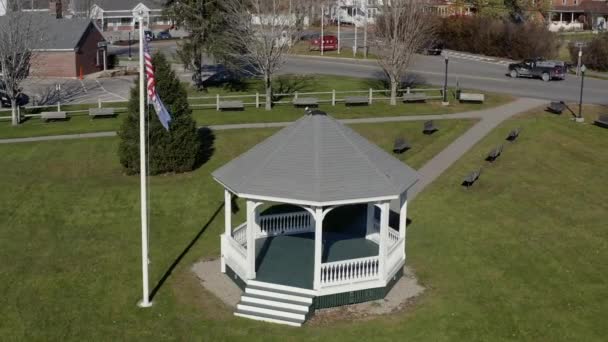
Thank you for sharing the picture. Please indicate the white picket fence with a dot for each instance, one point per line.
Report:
(255, 100)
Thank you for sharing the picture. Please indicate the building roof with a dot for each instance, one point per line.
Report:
(316, 160)
(124, 5)
(53, 33)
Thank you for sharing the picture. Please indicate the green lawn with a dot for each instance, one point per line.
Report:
(81, 123)
(70, 241)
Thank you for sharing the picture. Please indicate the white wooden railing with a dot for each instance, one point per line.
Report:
(240, 234)
(235, 255)
(349, 271)
(394, 256)
(285, 224)
(393, 235)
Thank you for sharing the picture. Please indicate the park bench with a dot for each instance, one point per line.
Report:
(602, 121)
(429, 127)
(556, 107)
(401, 145)
(471, 97)
(494, 154)
(513, 134)
(101, 112)
(414, 97)
(471, 178)
(231, 105)
(306, 101)
(48, 116)
(356, 100)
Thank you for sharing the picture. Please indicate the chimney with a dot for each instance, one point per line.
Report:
(58, 9)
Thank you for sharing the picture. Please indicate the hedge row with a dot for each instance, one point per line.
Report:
(498, 38)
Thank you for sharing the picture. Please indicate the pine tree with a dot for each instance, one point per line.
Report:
(176, 150)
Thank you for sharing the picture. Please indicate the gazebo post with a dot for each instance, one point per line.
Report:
(403, 217)
(228, 212)
(384, 213)
(370, 220)
(251, 224)
(318, 216)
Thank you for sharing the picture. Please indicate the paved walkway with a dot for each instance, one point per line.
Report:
(489, 119)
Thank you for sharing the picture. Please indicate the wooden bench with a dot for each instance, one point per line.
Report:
(356, 100)
(101, 112)
(602, 121)
(306, 102)
(494, 154)
(556, 107)
(429, 127)
(414, 97)
(401, 145)
(472, 97)
(471, 178)
(231, 105)
(513, 134)
(49, 116)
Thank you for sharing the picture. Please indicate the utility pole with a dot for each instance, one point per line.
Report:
(322, 30)
(355, 24)
(339, 37)
(365, 33)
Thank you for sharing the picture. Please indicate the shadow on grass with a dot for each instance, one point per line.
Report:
(207, 141)
(179, 258)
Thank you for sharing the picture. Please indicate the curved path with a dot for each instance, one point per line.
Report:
(488, 120)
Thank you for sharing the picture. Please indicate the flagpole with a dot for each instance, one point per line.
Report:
(145, 301)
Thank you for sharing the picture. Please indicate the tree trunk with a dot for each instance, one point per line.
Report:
(268, 85)
(394, 85)
(15, 118)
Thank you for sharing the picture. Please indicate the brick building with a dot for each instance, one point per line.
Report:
(67, 47)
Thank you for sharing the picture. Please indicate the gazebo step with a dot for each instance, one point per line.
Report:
(268, 318)
(259, 309)
(273, 304)
(274, 299)
(290, 290)
(278, 295)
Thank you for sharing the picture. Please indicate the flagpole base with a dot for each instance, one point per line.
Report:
(141, 304)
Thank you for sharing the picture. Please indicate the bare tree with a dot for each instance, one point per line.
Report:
(265, 31)
(402, 28)
(18, 36)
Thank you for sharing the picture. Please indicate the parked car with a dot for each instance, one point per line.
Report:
(434, 48)
(163, 35)
(539, 68)
(329, 43)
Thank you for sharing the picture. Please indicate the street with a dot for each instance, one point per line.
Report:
(469, 71)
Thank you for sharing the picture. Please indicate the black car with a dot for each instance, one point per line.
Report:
(539, 68)
(148, 35)
(434, 48)
(163, 35)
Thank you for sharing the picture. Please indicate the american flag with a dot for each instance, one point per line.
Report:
(159, 107)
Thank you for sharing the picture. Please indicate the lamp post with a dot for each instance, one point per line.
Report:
(129, 45)
(580, 100)
(445, 82)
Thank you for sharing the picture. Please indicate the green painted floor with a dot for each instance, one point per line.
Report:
(289, 259)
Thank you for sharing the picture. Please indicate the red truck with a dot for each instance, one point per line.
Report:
(329, 43)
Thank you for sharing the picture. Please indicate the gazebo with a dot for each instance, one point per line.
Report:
(319, 230)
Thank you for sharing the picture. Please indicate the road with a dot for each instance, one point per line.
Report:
(469, 73)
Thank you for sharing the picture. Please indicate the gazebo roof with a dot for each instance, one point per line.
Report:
(316, 160)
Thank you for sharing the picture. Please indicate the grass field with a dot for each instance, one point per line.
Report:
(519, 256)
(70, 238)
(81, 123)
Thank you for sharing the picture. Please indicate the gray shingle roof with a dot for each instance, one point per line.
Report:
(123, 5)
(316, 159)
(53, 33)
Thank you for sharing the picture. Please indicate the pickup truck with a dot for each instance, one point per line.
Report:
(538, 68)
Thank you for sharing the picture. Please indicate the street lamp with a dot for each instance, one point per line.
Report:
(129, 45)
(580, 100)
(445, 82)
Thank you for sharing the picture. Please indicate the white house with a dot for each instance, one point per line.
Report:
(121, 15)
